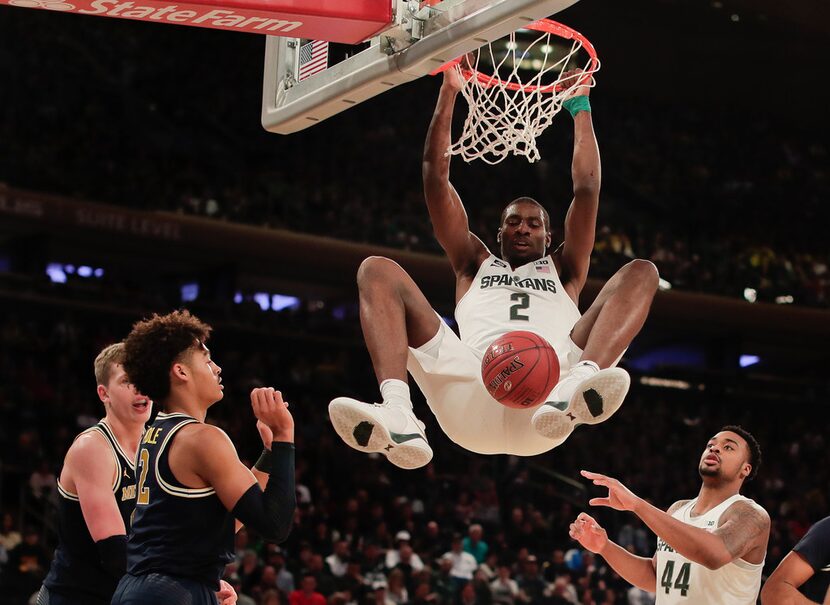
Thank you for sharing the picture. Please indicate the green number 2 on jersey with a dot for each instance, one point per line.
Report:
(522, 302)
(682, 581)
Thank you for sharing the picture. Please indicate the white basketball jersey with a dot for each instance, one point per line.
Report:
(680, 580)
(501, 300)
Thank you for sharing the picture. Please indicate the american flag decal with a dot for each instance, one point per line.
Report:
(542, 268)
(314, 58)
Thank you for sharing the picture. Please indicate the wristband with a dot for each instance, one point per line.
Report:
(576, 104)
(264, 462)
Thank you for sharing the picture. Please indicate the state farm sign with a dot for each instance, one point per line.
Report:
(349, 22)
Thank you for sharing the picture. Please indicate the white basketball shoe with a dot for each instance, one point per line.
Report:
(585, 396)
(391, 430)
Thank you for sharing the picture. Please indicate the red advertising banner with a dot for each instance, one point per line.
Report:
(350, 22)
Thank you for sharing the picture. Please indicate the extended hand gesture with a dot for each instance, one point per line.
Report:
(588, 533)
(619, 496)
(272, 412)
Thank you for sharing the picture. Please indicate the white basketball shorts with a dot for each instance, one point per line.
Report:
(449, 374)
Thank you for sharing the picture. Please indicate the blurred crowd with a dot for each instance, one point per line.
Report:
(466, 530)
(727, 203)
(722, 201)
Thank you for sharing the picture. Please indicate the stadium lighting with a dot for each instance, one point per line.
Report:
(56, 273)
(784, 300)
(190, 292)
(666, 383)
(263, 299)
(280, 302)
(85, 271)
(750, 295)
(663, 284)
(748, 360)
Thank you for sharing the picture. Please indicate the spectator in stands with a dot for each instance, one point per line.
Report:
(9, 536)
(474, 544)
(403, 553)
(27, 566)
(505, 590)
(276, 558)
(463, 563)
(267, 582)
(530, 583)
(270, 597)
(443, 582)
(42, 482)
(307, 594)
(561, 592)
(396, 588)
(338, 561)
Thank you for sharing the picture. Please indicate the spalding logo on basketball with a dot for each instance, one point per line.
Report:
(520, 369)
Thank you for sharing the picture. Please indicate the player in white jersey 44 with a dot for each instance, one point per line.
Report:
(523, 288)
(710, 550)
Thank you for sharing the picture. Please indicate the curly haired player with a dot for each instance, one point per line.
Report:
(191, 485)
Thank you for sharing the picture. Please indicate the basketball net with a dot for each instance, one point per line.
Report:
(507, 114)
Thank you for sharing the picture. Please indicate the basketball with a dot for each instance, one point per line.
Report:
(519, 369)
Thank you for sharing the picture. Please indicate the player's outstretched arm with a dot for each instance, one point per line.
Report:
(93, 468)
(635, 570)
(782, 586)
(209, 454)
(447, 213)
(743, 527)
(581, 219)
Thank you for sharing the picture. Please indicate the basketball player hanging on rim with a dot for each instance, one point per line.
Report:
(710, 550)
(495, 294)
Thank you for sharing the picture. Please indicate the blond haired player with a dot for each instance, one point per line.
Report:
(97, 491)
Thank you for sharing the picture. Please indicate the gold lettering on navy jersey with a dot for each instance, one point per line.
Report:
(152, 435)
(128, 493)
(530, 283)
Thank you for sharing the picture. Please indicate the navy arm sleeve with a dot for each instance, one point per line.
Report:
(815, 545)
(113, 553)
(271, 512)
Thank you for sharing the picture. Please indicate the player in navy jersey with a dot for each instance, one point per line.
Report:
(96, 494)
(524, 287)
(803, 577)
(191, 486)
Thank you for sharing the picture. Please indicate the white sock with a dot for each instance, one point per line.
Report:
(395, 393)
